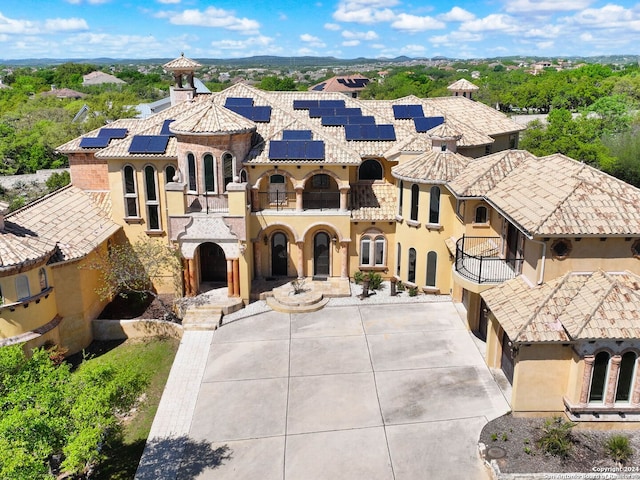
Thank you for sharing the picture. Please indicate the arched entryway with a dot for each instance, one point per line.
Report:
(213, 263)
(279, 254)
(321, 255)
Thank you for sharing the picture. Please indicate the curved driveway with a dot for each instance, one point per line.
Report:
(371, 392)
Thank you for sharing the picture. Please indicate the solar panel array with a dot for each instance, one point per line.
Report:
(415, 112)
(296, 150)
(354, 82)
(149, 144)
(424, 124)
(297, 135)
(165, 128)
(244, 106)
(335, 113)
(104, 137)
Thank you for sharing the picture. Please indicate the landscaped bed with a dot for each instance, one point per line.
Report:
(519, 438)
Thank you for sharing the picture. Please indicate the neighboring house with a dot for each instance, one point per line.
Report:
(63, 93)
(350, 85)
(47, 294)
(98, 78)
(542, 253)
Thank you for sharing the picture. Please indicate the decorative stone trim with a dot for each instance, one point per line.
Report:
(413, 223)
(433, 226)
(26, 301)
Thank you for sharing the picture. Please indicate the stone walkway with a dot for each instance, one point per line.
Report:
(389, 392)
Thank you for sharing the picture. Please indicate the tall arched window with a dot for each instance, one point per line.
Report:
(398, 259)
(191, 166)
(22, 287)
(625, 377)
(432, 264)
(42, 277)
(209, 179)
(227, 169)
(411, 277)
(481, 214)
(243, 175)
(130, 191)
(434, 205)
(400, 197)
(599, 377)
(169, 173)
(372, 250)
(152, 203)
(370, 170)
(415, 198)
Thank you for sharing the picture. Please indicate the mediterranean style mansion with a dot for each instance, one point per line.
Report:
(542, 253)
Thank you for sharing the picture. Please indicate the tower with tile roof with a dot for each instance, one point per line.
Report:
(183, 70)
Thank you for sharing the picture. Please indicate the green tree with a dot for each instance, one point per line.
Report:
(57, 180)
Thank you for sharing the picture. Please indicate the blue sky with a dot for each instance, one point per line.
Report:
(344, 29)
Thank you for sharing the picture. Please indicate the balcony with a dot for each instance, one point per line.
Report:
(478, 259)
(280, 200)
(207, 203)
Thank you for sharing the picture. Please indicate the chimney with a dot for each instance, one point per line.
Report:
(4, 209)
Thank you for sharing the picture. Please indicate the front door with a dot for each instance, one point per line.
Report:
(213, 264)
(279, 255)
(483, 322)
(506, 361)
(321, 254)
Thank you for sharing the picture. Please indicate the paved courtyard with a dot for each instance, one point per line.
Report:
(371, 392)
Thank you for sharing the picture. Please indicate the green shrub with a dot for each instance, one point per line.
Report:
(556, 437)
(375, 280)
(413, 291)
(618, 448)
(358, 277)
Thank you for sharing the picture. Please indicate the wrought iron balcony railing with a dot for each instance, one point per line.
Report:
(478, 259)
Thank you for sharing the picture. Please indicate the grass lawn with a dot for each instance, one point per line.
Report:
(153, 357)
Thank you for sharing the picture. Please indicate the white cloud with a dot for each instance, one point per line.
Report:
(457, 14)
(55, 25)
(609, 16)
(496, 22)
(90, 2)
(545, 6)
(454, 39)
(370, 35)
(214, 18)
(351, 43)
(312, 40)
(549, 31)
(259, 41)
(167, 2)
(332, 26)
(413, 23)
(363, 11)
(17, 27)
(410, 50)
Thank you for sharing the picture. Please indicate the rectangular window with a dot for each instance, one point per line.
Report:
(22, 287)
(365, 252)
(379, 252)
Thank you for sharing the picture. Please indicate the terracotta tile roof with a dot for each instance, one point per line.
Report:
(75, 231)
(181, 63)
(212, 118)
(373, 201)
(131, 124)
(341, 83)
(431, 167)
(463, 85)
(577, 306)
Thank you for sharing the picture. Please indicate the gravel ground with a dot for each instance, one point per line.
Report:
(518, 438)
(381, 296)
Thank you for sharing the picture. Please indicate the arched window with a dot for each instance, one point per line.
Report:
(373, 251)
(152, 203)
(398, 259)
(625, 377)
(42, 276)
(400, 195)
(415, 198)
(599, 377)
(209, 178)
(432, 264)
(434, 205)
(22, 287)
(191, 167)
(227, 169)
(169, 173)
(370, 170)
(130, 191)
(411, 277)
(244, 178)
(481, 214)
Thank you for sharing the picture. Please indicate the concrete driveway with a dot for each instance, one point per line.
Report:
(375, 392)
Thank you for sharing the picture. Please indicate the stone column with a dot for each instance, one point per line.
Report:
(344, 256)
(344, 197)
(612, 381)
(635, 395)
(300, 259)
(236, 277)
(586, 379)
(299, 203)
(229, 278)
(255, 200)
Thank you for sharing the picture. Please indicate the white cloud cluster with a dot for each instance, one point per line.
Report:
(365, 11)
(214, 18)
(10, 26)
(312, 41)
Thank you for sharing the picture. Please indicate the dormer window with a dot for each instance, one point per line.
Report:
(443, 147)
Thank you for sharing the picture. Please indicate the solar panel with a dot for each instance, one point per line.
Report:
(400, 112)
(278, 150)
(157, 144)
(415, 111)
(165, 128)
(349, 112)
(297, 135)
(361, 120)
(297, 150)
(353, 132)
(315, 150)
(113, 132)
(331, 103)
(304, 104)
(335, 121)
(424, 124)
(319, 87)
(139, 144)
(386, 132)
(238, 102)
(370, 132)
(261, 114)
(94, 142)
